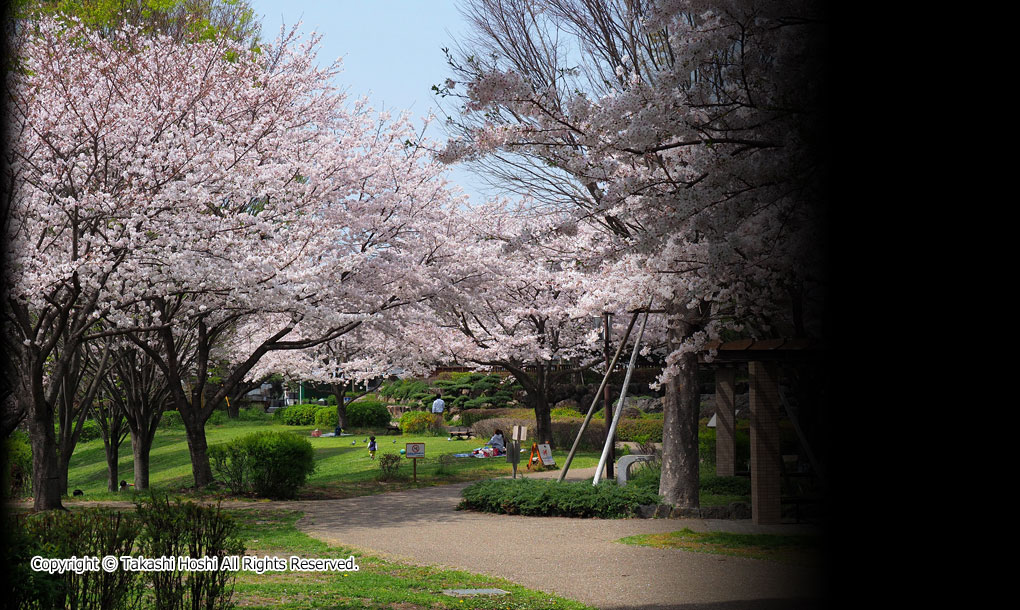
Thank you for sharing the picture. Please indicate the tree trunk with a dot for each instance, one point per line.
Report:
(680, 470)
(63, 465)
(543, 419)
(140, 447)
(233, 409)
(199, 451)
(112, 467)
(45, 469)
(340, 392)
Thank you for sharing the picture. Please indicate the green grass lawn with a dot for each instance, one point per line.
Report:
(342, 469)
(802, 550)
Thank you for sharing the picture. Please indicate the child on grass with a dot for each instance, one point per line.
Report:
(371, 447)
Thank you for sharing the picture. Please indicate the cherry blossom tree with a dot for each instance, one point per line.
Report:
(688, 132)
(177, 191)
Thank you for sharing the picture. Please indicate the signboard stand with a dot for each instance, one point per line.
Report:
(415, 451)
(541, 455)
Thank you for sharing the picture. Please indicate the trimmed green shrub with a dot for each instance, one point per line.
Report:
(469, 418)
(268, 464)
(416, 422)
(403, 390)
(639, 430)
(300, 415)
(188, 529)
(17, 471)
(547, 498)
(487, 427)
(326, 418)
(217, 418)
(565, 413)
(367, 414)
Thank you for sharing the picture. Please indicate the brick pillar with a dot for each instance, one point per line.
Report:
(725, 421)
(763, 378)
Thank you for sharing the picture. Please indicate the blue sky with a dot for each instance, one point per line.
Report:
(391, 50)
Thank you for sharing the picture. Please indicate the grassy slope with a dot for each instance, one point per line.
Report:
(342, 469)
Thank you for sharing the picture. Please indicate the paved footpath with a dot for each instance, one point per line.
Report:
(576, 558)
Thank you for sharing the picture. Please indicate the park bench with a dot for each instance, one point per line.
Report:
(460, 432)
(393, 427)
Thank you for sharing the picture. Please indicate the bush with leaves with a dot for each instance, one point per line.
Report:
(252, 414)
(417, 422)
(548, 498)
(65, 534)
(326, 418)
(17, 465)
(367, 414)
(267, 464)
(300, 415)
(175, 529)
(171, 420)
(390, 465)
(639, 430)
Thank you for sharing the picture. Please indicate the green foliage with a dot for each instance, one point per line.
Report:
(639, 430)
(90, 431)
(326, 418)
(188, 20)
(253, 414)
(367, 414)
(416, 422)
(171, 420)
(188, 529)
(65, 534)
(404, 390)
(217, 418)
(390, 465)
(725, 486)
(742, 440)
(299, 415)
(547, 498)
(268, 464)
(17, 467)
(564, 413)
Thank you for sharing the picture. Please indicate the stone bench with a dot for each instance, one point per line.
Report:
(624, 464)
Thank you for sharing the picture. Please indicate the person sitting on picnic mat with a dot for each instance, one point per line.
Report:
(498, 442)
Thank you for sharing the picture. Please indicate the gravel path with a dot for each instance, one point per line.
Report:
(576, 558)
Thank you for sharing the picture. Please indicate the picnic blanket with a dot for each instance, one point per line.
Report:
(481, 452)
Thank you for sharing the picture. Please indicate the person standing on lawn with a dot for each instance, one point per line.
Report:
(438, 405)
(372, 447)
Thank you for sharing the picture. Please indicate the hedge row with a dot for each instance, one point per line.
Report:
(547, 498)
